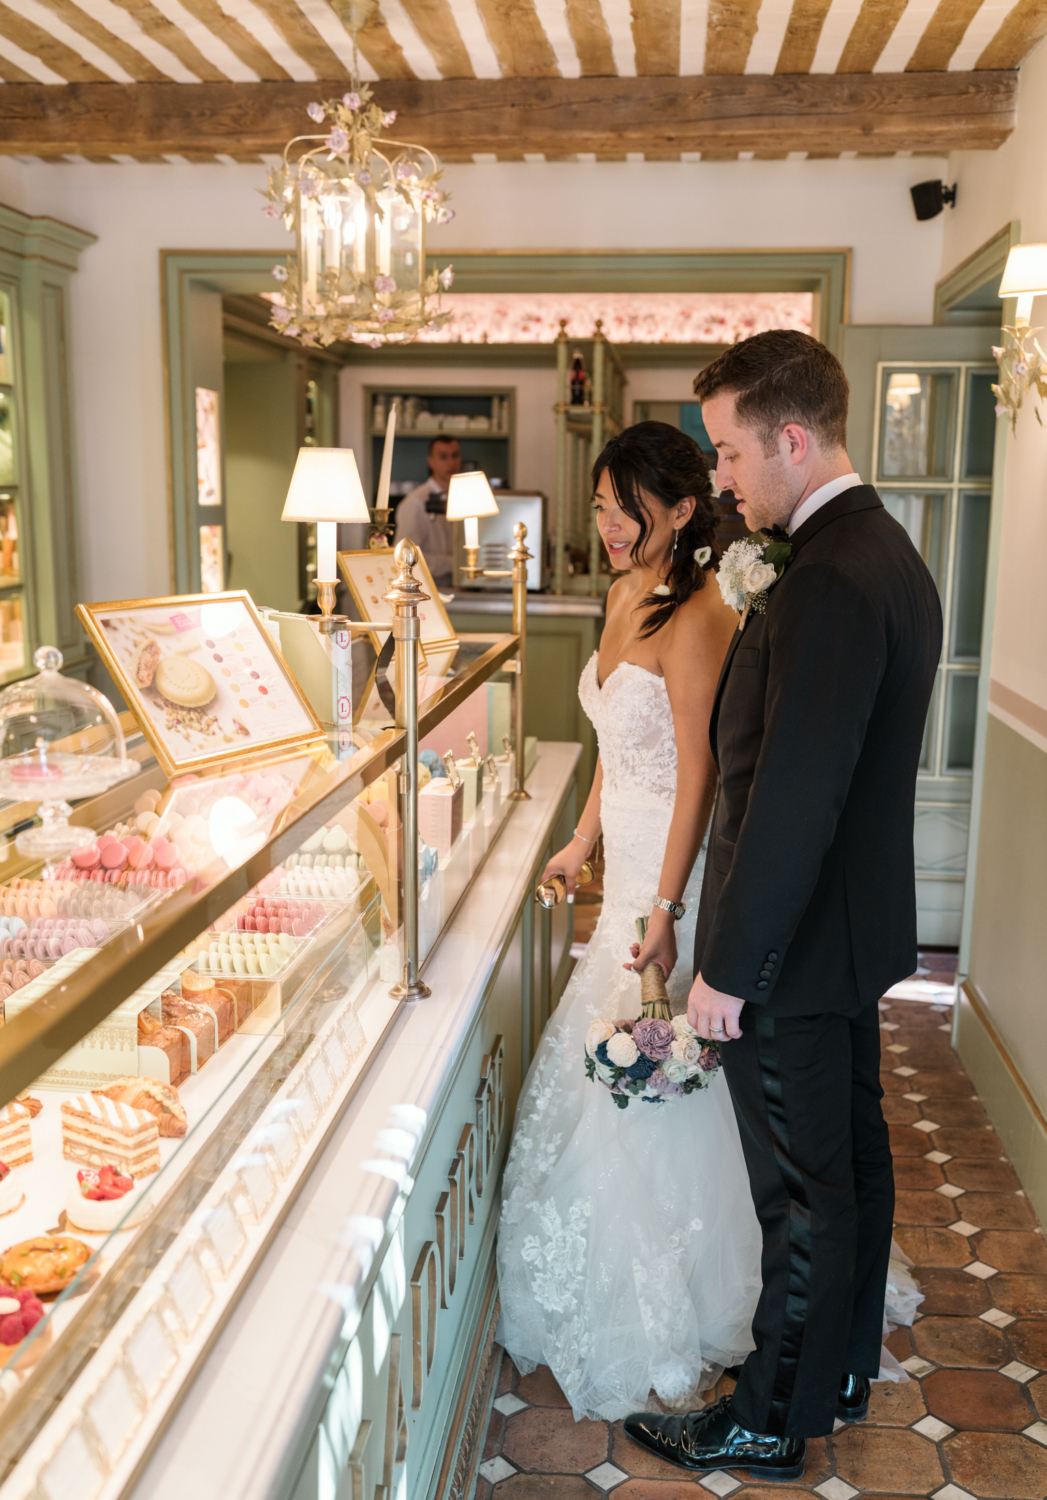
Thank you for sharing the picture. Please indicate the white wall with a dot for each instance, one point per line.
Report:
(137, 210)
(991, 190)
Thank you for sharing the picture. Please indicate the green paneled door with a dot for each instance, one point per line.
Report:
(923, 430)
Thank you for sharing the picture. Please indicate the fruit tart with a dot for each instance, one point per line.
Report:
(20, 1312)
(45, 1264)
(102, 1198)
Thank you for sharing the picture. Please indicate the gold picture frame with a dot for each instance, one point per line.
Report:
(210, 638)
(369, 576)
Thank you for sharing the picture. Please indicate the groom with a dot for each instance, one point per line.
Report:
(808, 909)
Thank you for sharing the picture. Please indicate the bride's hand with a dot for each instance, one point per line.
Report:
(568, 863)
(659, 946)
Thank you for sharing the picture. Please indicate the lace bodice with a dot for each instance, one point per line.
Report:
(634, 725)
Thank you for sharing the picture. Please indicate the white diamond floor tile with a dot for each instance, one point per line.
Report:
(952, 1492)
(946, 1027)
(938, 1157)
(902, 1072)
(897, 1047)
(509, 1404)
(606, 1476)
(981, 1270)
(1038, 1432)
(926, 1126)
(915, 1098)
(720, 1484)
(997, 1317)
(838, 1425)
(917, 1366)
(496, 1469)
(882, 1005)
(930, 1427)
(835, 1489)
(889, 1026)
(947, 1190)
(1019, 1372)
(962, 1227)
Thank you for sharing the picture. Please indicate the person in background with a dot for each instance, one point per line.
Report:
(422, 514)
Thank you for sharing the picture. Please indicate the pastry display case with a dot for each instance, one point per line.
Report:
(191, 996)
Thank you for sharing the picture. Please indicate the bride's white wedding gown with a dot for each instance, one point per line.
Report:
(628, 1249)
(628, 1252)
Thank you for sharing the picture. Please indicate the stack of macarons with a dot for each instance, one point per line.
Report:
(330, 884)
(127, 861)
(274, 914)
(68, 898)
(328, 849)
(248, 952)
(16, 972)
(48, 938)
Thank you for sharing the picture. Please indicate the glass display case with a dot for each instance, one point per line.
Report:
(190, 999)
(12, 583)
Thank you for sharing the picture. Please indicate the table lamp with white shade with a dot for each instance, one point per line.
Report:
(325, 488)
(469, 496)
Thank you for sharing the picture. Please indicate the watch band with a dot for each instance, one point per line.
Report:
(672, 907)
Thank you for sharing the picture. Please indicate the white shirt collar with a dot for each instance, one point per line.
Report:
(821, 497)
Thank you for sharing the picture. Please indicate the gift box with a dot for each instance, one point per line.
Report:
(440, 809)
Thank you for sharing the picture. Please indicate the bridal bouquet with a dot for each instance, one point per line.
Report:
(658, 1057)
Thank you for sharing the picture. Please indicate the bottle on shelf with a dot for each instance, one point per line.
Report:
(579, 379)
(379, 414)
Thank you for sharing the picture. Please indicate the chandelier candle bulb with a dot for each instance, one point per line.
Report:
(472, 532)
(326, 550)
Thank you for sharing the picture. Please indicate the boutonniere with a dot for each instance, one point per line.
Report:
(747, 570)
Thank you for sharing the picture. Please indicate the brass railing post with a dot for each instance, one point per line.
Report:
(405, 596)
(519, 557)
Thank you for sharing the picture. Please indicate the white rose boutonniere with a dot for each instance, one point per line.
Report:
(747, 570)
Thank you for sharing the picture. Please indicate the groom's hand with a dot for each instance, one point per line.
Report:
(713, 1015)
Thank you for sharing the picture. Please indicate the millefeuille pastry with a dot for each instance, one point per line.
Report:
(100, 1132)
(157, 1099)
(45, 1264)
(11, 1194)
(102, 1198)
(20, 1312)
(16, 1144)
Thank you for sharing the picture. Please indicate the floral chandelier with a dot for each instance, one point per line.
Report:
(358, 204)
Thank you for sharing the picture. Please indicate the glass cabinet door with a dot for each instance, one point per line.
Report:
(12, 642)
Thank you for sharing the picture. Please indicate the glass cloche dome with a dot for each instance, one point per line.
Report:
(60, 740)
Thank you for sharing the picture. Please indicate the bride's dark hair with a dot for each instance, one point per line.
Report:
(657, 459)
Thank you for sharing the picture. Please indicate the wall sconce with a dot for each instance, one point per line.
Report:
(325, 488)
(1021, 361)
(469, 496)
(929, 198)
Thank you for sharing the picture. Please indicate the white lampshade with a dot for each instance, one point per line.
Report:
(325, 486)
(1026, 271)
(470, 495)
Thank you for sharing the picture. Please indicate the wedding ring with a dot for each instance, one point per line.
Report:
(715, 1029)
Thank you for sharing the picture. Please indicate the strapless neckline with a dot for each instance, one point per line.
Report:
(621, 665)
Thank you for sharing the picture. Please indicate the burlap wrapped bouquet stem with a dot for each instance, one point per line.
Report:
(654, 995)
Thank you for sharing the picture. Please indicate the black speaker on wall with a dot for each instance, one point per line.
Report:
(929, 198)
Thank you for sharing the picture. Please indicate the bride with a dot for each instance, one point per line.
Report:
(629, 1251)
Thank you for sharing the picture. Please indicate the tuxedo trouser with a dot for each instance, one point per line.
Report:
(806, 1093)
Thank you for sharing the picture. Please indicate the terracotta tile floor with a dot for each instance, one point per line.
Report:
(972, 1422)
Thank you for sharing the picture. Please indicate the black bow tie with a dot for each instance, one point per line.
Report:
(776, 534)
(436, 505)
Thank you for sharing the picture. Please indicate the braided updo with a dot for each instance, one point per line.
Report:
(656, 460)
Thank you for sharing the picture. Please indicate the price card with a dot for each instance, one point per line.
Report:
(190, 1291)
(114, 1412)
(150, 1355)
(257, 1181)
(225, 1234)
(335, 1055)
(352, 1033)
(320, 1080)
(280, 1140)
(73, 1473)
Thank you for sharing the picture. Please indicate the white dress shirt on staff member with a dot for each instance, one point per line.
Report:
(420, 517)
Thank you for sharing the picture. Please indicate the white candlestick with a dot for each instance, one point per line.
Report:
(382, 503)
(472, 531)
(326, 551)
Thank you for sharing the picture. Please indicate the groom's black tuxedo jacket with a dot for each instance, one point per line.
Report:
(809, 897)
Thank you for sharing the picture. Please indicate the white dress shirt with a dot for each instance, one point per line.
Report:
(820, 497)
(432, 533)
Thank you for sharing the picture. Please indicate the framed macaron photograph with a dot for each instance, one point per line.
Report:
(202, 676)
(369, 576)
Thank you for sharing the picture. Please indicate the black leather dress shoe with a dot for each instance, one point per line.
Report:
(852, 1404)
(712, 1439)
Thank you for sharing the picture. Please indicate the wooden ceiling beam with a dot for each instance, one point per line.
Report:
(880, 112)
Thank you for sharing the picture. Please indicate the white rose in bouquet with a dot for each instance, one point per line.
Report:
(687, 1049)
(599, 1031)
(757, 577)
(682, 1026)
(675, 1069)
(622, 1050)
